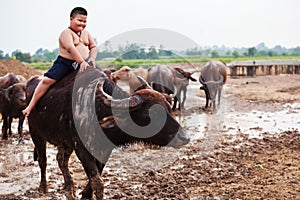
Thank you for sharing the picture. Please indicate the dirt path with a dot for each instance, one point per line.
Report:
(248, 150)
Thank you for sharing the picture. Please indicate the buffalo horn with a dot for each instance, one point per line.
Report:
(130, 102)
(202, 81)
(175, 92)
(195, 71)
(144, 82)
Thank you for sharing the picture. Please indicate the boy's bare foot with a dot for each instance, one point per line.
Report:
(26, 112)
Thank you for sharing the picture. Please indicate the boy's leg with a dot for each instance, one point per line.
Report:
(40, 90)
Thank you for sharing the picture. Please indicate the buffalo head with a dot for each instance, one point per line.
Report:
(144, 116)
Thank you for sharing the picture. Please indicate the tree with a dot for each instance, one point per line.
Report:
(107, 46)
(152, 53)
(1, 55)
(133, 54)
(6, 56)
(295, 51)
(272, 53)
(252, 51)
(235, 54)
(142, 54)
(49, 56)
(23, 57)
(214, 54)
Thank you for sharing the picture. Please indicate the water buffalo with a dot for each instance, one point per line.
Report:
(213, 76)
(8, 80)
(162, 79)
(12, 101)
(21, 79)
(130, 75)
(90, 115)
(181, 82)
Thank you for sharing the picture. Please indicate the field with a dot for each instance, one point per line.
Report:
(249, 149)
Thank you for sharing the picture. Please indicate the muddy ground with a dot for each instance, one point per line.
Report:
(249, 149)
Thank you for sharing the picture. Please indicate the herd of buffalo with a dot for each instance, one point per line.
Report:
(90, 114)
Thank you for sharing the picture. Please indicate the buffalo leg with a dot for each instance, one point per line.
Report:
(219, 96)
(40, 150)
(87, 191)
(179, 100)
(4, 127)
(207, 97)
(214, 105)
(10, 119)
(175, 103)
(20, 127)
(184, 90)
(63, 156)
(92, 172)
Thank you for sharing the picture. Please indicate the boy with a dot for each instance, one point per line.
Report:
(77, 49)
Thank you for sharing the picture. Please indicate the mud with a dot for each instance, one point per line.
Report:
(247, 150)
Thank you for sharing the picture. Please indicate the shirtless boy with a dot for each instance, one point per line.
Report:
(77, 50)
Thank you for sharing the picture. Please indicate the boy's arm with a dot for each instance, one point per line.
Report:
(93, 51)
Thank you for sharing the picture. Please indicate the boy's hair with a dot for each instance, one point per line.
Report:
(78, 11)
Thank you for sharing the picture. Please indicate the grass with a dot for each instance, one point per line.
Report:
(40, 65)
(148, 63)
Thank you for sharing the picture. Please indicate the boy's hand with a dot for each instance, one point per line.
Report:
(92, 62)
(83, 66)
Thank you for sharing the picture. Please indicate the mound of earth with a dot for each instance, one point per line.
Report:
(18, 68)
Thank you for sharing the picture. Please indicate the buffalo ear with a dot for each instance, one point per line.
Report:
(107, 122)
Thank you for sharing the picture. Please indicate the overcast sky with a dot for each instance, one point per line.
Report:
(27, 25)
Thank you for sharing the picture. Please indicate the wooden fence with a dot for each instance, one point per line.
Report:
(263, 67)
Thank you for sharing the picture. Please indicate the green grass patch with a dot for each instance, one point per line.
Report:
(40, 65)
(118, 63)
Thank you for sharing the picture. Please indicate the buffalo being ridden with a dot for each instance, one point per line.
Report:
(87, 113)
(213, 76)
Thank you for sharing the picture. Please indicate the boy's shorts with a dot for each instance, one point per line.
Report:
(61, 67)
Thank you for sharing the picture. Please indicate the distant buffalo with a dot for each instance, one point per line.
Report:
(182, 79)
(162, 79)
(213, 76)
(130, 76)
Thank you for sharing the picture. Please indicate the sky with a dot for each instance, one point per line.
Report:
(28, 25)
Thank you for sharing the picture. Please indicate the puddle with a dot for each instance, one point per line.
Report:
(253, 123)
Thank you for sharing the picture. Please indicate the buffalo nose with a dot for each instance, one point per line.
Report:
(22, 100)
(184, 138)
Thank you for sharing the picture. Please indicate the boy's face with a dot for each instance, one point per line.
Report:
(78, 23)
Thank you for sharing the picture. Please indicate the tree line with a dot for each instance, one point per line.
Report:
(140, 51)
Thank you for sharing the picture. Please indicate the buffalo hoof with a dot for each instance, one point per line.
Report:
(21, 139)
(70, 195)
(69, 186)
(43, 188)
(87, 192)
(98, 187)
(5, 137)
